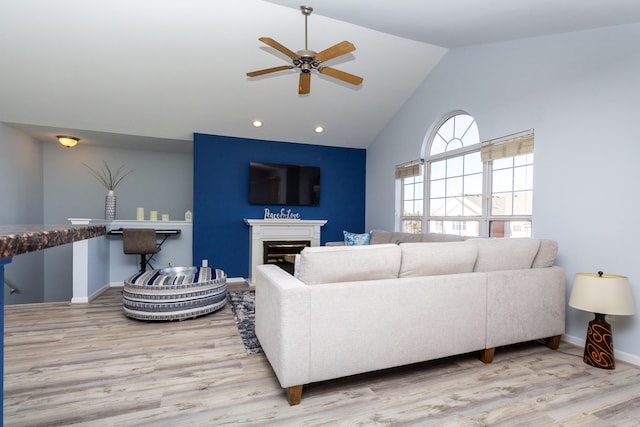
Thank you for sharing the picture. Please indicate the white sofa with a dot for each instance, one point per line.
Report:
(354, 309)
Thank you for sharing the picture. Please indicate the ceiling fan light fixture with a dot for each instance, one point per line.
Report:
(67, 141)
(307, 60)
(257, 123)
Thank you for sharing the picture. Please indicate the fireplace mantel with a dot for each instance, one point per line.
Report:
(262, 230)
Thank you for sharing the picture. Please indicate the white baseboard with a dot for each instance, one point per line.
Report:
(236, 279)
(622, 356)
(96, 294)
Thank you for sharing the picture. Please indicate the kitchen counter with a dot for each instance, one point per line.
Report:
(21, 239)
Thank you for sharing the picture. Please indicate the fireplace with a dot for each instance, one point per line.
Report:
(280, 230)
(282, 252)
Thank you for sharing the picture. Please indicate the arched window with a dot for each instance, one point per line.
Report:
(455, 177)
(466, 187)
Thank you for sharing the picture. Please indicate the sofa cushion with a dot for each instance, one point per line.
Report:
(399, 237)
(329, 264)
(496, 254)
(434, 258)
(440, 237)
(546, 254)
(382, 236)
(379, 237)
(355, 239)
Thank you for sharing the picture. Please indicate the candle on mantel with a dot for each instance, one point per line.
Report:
(153, 216)
(165, 217)
(140, 214)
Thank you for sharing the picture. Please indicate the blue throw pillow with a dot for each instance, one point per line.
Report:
(353, 239)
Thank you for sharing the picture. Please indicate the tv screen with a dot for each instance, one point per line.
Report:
(276, 184)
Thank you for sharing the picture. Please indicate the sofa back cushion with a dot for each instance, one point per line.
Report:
(546, 254)
(382, 236)
(379, 237)
(505, 253)
(440, 237)
(330, 264)
(430, 259)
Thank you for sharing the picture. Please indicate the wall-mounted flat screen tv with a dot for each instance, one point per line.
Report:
(277, 184)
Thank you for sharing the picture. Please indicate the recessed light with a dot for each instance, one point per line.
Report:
(318, 129)
(257, 123)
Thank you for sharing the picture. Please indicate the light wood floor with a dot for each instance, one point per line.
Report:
(87, 364)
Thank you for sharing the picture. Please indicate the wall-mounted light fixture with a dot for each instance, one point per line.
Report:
(68, 141)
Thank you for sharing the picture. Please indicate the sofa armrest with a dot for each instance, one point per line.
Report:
(524, 305)
(282, 323)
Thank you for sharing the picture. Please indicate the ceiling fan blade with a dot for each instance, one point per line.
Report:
(335, 51)
(304, 87)
(269, 70)
(341, 75)
(277, 46)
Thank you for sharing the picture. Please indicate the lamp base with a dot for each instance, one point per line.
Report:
(598, 349)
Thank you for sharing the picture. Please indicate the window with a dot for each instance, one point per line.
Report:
(466, 187)
(411, 196)
(511, 186)
(455, 178)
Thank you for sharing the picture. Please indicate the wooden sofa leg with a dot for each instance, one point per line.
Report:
(553, 342)
(486, 355)
(294, 394)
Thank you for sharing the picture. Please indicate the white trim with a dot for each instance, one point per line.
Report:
(96, 294)
(622, 356)
(425, 150)
(454, 153)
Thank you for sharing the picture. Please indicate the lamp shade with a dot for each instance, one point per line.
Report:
(67, 141)
(602, 293)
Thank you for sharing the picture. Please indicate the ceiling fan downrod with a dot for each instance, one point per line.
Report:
(306, 11)
(306, 58)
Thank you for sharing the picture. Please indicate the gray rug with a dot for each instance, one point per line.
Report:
(242, 306)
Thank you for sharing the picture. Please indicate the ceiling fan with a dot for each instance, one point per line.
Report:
(307, 60)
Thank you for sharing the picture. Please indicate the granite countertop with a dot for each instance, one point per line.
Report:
(16, 239)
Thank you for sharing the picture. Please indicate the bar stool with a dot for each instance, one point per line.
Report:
(140, 241)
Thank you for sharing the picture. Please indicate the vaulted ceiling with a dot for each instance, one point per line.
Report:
(150, 73)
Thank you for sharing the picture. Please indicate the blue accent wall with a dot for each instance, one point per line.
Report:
(221, 194)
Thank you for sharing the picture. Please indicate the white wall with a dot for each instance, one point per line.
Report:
(161, 181)
(579, 91)
(21, 202)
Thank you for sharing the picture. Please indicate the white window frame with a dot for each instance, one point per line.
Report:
(404, 172)
(515, 144)
(427, 197)
(518, 144)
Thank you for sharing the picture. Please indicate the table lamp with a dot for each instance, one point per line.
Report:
(601, 294)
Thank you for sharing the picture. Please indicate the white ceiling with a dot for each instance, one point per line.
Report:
(456, 23)
(150, 73)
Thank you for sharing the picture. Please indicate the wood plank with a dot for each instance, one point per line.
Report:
(89, 364)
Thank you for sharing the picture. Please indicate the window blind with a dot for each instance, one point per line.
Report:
(410, 169)
(508, 146)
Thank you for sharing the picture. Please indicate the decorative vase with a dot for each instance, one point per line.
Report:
(110, 206)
